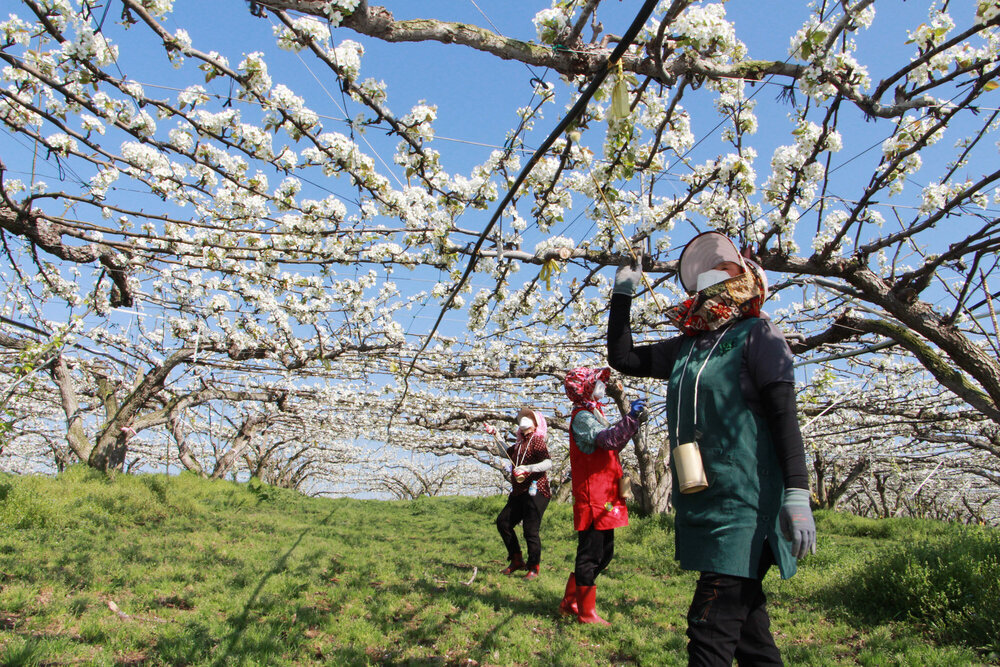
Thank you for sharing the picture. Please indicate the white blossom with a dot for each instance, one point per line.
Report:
(550, 23)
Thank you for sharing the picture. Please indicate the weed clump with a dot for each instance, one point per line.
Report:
(24, 505)
(949, 585)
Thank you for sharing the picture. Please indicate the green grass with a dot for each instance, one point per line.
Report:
(217, 573)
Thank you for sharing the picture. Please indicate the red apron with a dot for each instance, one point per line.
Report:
(595, 486)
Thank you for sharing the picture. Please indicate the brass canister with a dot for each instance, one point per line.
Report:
(625, 487)
(689, 469)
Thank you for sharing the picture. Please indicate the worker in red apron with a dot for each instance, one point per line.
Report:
(598, 507)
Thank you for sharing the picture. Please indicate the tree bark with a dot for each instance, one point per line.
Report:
(47, 234)
(239, 444)
(184, 453)
(917, 321)
(76, 438)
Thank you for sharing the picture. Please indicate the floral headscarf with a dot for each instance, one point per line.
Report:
(579, 385)
(720, 304)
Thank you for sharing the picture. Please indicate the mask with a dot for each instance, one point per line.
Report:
(526, 423)
(598, 392)
(711, 277)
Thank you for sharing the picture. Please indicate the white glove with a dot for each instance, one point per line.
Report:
(627, 278)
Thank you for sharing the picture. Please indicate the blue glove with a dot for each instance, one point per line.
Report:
(797, 523)
(627, 277)
(637, 409)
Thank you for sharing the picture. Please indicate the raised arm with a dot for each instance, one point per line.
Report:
(591, 434)
(624, 356)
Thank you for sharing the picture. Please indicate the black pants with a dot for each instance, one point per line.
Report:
(594, 550)
(728, 618)
(526, 510)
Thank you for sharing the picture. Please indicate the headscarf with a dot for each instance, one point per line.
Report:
(541, 428)
(579, 385)
(719, 304)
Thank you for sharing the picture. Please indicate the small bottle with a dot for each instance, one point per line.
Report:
(533, 489)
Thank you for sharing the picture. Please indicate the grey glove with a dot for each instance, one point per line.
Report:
(796, 520)
(627, 278)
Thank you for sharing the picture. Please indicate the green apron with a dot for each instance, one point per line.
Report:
(722, 529)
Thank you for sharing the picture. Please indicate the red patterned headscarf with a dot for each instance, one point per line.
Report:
(579, 385)
(719, 304)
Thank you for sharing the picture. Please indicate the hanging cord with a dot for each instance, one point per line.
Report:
(697, 380)
(628, 243)
(569, 119)
(635, 259)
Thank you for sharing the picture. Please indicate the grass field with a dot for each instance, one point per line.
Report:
(153, 570)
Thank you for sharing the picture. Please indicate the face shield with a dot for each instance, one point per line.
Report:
(711, 277)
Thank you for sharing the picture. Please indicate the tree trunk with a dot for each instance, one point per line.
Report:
(76, 438)
(238, 446)
(654, 476)
(184, 454)
(819, 467)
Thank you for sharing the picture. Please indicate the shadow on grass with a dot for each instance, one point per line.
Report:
(425, 633)
(265, 630)
(241, 622)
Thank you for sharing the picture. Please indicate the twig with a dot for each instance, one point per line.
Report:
(475, 571)
(989, 302)
(122, 615)
(125, 617)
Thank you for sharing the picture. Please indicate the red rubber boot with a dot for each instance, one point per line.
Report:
(586, 600)
(568, 606)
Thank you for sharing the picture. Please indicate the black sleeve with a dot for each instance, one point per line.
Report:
(656, 360)
(778, 401)
(770, 363)
(768, 357)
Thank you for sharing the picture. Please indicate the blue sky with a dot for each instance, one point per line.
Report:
(477, 94)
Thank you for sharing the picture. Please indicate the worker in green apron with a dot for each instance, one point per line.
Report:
(730, 402)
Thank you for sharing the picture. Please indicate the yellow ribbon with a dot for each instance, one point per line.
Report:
(549, 269)
(619, 98)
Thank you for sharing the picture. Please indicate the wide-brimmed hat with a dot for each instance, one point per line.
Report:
(525, 412)
(705, 252)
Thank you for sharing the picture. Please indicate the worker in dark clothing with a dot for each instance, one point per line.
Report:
(529, 493)
(731, 399)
